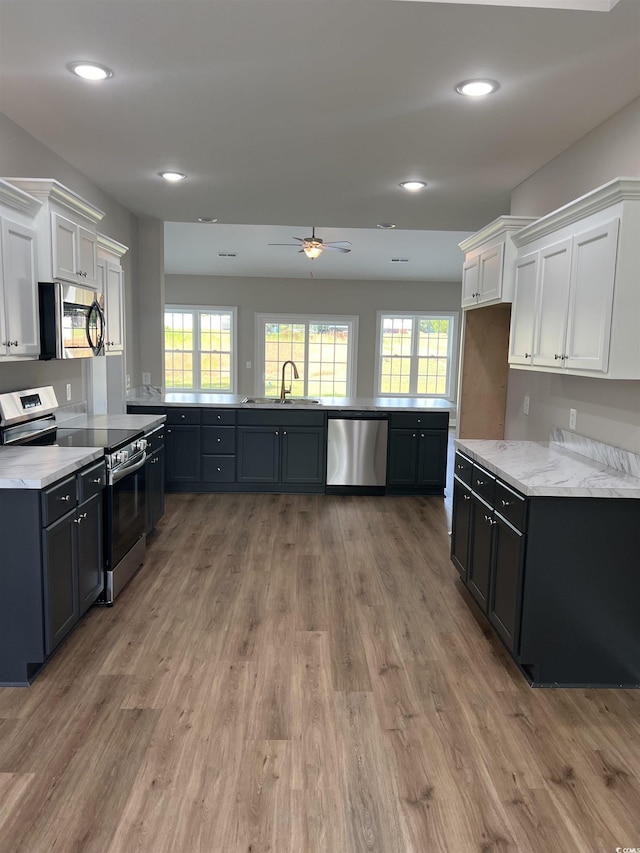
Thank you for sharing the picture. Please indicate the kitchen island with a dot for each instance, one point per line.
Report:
(546, 541)
(233, 443)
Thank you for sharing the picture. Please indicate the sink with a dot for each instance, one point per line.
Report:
(274, 401)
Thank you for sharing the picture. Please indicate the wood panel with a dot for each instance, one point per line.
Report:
(304, 674)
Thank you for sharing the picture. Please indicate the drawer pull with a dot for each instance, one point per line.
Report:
(505, 503)
(65, 498)
(97, 480)
(183, 416)
(466, 498)
(218, 469)
(218, 440)
(479, 482)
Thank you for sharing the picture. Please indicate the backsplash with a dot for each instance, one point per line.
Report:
(606, 454)
(71, 410)
(144, 392)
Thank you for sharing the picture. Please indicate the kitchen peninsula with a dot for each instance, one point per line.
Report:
(218, 442)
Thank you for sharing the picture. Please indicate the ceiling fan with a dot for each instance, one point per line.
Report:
(314, 246)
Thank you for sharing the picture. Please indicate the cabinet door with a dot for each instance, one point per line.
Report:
(402, 459)
(593, 268)
(303, 455)
(183, 454)
(523, 312)
(154, 484)
(470, 281)
(490, 287)
(90, 552)
(87, 246)
(432, 457)
(64, 247)
(553, 304)
(461, 528)
(21, 331)
(60, 580)
(258, 455)
(479, 569)
(506, 581)
(114, 306)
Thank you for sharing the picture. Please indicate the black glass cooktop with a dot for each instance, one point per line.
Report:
(109, 439)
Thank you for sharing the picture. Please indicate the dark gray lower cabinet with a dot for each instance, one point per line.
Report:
(286, 455)
(154, 488)
(417, 452)
(48, 581)
(182, 445)
(258, 454)
(557, 578)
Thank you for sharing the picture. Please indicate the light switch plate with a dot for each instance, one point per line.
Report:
(573, 416)
(127, 380)
(146, 379)
(68, 391)
(525, 407)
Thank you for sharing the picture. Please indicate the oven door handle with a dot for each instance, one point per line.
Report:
(121, 473)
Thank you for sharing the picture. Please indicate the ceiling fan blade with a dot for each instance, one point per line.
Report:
(335, 244)
(295, 245)
(336, 248)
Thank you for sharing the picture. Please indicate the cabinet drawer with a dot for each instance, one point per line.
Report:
(183, 416)
(218, 439)
(218, 469)
(419, 420)
(92, 481)
(219, 417)
(145, 410)
(463, 468)
(483, 484)
(279, 417)
(155, 440)
(511, 505)
(57, 500)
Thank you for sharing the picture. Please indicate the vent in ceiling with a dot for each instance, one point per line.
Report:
(227, 254)
(399, 260)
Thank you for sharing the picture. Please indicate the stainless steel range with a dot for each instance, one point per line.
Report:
(29, 418)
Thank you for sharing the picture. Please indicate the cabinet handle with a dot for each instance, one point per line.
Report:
(421, 435)
(479, 482)
(77, 520)
(556, 356)
(97, 480)
(527, 355)
(183, 416)
(419, 421)
(285, 432)
(413, 435)
(505, 503)
(15, 343)
(218, 440)
(169, 430)
(65, 497)
(277, 433)
(160, 437)
(219, 417)
(218, 469)
(460, 467)
(466, 497)
(486, 517)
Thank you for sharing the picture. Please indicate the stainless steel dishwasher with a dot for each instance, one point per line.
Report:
(357, 452)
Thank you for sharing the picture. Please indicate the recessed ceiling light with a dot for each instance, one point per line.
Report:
(206, 219)
(386, 225)
(172, 177)
(90, 70)
(477, 88)
(413, 186)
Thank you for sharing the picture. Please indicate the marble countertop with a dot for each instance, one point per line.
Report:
(373, 404)
(38, 467)
(546, 469)
(141, 422)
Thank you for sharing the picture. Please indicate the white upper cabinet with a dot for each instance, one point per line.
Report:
(19, 318)
(488, 269)
(577, 297)
(66, 225)
(111, 283)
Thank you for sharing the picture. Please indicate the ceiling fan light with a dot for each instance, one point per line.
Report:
(312, 252)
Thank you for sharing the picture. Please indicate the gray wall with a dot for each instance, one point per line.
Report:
(23, 156)
(608, 411)
(312, 296)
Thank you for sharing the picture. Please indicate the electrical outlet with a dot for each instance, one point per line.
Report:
(248, 365)
(127, 381)
(525, 407)
(68, 391)
(573, 415)
(146, 379)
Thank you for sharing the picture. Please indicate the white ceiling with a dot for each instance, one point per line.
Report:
(294, 114)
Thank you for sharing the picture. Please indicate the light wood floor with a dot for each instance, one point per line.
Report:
(298, 674)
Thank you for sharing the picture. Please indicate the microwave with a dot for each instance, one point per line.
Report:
(72, 323)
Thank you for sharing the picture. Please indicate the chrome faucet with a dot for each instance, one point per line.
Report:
(284, 391)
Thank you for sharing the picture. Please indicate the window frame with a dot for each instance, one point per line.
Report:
(352, 349)
(452, 355)
(197, 311)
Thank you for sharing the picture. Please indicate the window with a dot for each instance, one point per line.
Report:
(322, 348)
(199, 348)
(415, 354)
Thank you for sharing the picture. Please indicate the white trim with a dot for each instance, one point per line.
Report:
(211, 309)
(352, 351)
(452, 373)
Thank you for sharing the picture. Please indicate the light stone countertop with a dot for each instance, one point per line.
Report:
(38, 467)
(544, 469)
(373, 404)
(120, 421)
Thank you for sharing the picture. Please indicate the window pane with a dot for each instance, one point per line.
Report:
(208, 331)
(430, 361)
